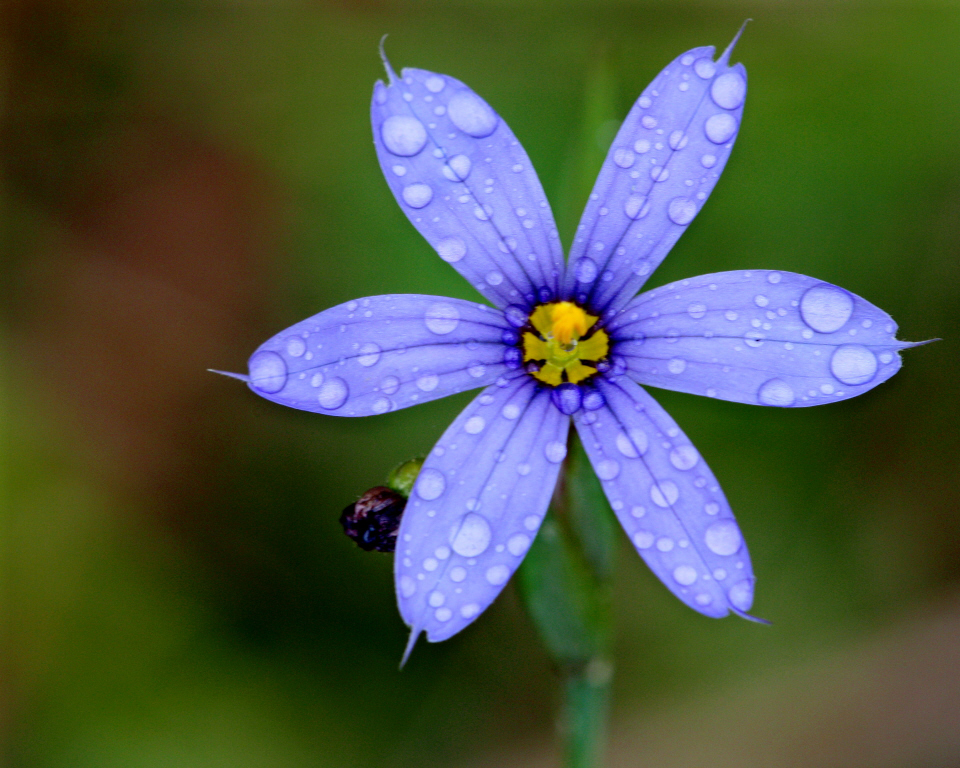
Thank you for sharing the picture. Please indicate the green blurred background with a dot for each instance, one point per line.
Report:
(181, 180)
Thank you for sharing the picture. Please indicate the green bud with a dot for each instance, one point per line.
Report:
(403, 476)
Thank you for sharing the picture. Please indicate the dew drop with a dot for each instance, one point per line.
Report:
(705, 68)
(624, 157)
(417, 195)
(268, 372)
(403, 135)
(471, 114)
(443, 614)
(498, 575)
(642, 146)
(643, 539)
(685, 575)
(684, 457)
(728, 90)
(723, 537)
(677, 365)
(665, 544)
(296, 346)
(635, 206)
(369, 354)
(741, 595)
(381, 405)
(434, 83)
(555, 451)
(511, 411)
(697, 310)
(474, 425)
(451, 249)
(458, 574)
(469, 610)
(585, 270)
(664, 493)
(407, 586)
(389, 385)
(472, 537)
(477, 370)
(457, 168)
(826, 308)
(316, 380)
(332, 394)
(518, 544)
(442, 318)
(776, 392)
(607, 469)
(682, 210)
(428, 382)
(677, 140)
(430, 484)
(720, 128)
(494, 278)
(632, 443)
(436, 598)
(853, 364)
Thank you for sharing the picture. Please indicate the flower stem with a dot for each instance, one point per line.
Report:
(565, 581)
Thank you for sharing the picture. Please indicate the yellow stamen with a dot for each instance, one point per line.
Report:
(564, 353)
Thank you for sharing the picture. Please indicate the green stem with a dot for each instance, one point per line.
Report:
(587, 705)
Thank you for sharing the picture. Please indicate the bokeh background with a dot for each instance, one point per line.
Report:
(181, 180)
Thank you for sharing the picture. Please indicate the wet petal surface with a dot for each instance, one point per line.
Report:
(667, 500)
(462, 178)
(381, 353)
(661, 168)
(760, 337)
(477, 504)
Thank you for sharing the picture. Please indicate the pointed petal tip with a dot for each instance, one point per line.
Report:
(725, 56)
(414, 636)
(386, 62)
(912, 344)
(748, 617)
(239, 376)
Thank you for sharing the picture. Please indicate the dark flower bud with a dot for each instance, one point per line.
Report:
(372, 521)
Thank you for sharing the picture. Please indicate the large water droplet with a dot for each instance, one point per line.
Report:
(430, 484)
(677, 365)
(369, 354)
(268, 372)
(389, 385)
(723, 537)
(442, 318)
(677, 140)
(474, 425)
(681, 210)
(776, 392)
(407, 586)
(607, 469)
(853, 364)
(417, 195)
(684, 457)
(585, 270)
(685, 575)
(296, 346)
(403, 135)
(516, 315)
(728, 90)
(428, 382)
(635, 206)
(567, 398)
(332, 393)
(518, 544)
(643, 539)
(664, 493)
(705, 68)
(741, 595)
(632, 443)
(471, 114)
(434, 83)
(720, 128)
(451, 249)
(624, 157)
(457, 168)
(826, 308)
(697, 310)
(381, 405)
(555, 451)
(498, 575)
(472, 536)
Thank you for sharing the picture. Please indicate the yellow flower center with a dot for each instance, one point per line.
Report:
(563, 345)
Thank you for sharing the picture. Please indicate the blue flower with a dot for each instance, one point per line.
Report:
(570, 340)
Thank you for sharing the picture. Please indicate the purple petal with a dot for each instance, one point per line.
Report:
(467, 185)
(667, 500)
(762, 337)
(476, 507)
(660, 170)
(381, 353)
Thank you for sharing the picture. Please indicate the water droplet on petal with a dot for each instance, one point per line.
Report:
(826, 308)
(403, 135)
(442, 318)
(684, 457)
(677, 140)
(685, 575)
(664, 493)
(567, 398)
(428, 382)
(436, 598)
(451, 249)
(708, 161)
(407, 586)
(474, 425)
(268, 372)
(853, 364)
(458, 574)
(472, 537)
(705, 68)
(518, 544)
(296, 346)
(332, 393)
(643, 539)
(434, 83)
(469, 610)
(741, 595)
(776, 392)
(682, 210)
(642, 146)
(677, 365)
(417, 195)
(585, 270)
(369, 354)
(635, 206)
(389, 385)
(728, 90)
(665, 544)
(498, 575)
(624, 157)
(471, 114)
(430, 484)
(607, 469)
(697, 310)
(632, 443)
(443, 614)
(555, 451)
(723, 537)
(457, 168)
(720, 128)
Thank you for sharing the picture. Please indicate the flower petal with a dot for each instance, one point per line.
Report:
(462, 178)
(667, 500)
(661, 167)
(762, 337)
(476, 507)
(382, 353)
